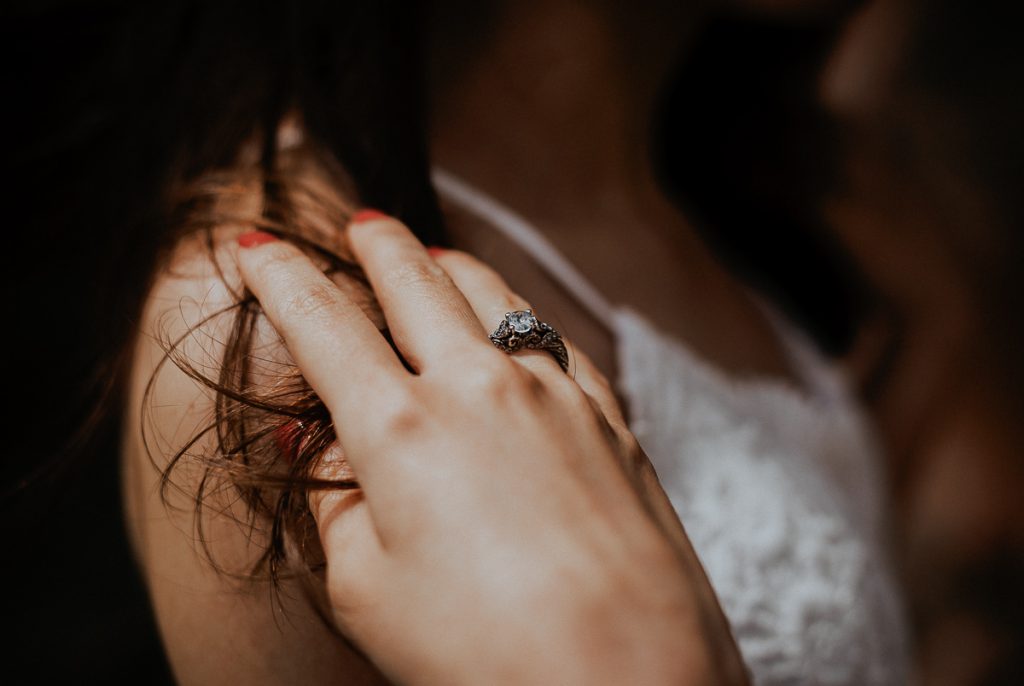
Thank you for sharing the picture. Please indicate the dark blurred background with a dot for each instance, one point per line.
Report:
(862, 165)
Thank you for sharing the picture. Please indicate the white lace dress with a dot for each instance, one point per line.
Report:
(778, 487)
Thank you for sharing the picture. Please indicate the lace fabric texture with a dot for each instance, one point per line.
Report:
(779, 492)
(777, 485)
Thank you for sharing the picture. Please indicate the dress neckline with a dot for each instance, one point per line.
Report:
(815, 377)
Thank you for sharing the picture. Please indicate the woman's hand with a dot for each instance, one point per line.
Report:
(509, 528)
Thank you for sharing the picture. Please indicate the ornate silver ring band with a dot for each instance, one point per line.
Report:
(521, 330)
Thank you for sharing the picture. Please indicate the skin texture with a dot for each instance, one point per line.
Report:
(567, 537)
(216, 627)
(599, 205)
(929, 220)
(502, 500)
(549, 107)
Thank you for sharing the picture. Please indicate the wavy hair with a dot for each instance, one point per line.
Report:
(170, 108)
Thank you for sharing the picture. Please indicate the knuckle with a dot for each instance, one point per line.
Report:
(484, 381)
(577, 400)
(630, 450)
(628, 442)
(402, 415)
(533, 382)
(415, 274)
(312, 300)
(500, 380)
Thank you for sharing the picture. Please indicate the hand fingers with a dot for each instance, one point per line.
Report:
(491, 298)
(597, 386)
(331, 466)
(429, 318)
(348, 534)
(339, 350)
(659, 503)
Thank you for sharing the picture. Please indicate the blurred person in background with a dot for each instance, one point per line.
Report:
(930, 103)
(882, 171)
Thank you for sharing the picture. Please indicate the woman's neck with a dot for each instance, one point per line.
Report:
(548, 105)
(554, 99)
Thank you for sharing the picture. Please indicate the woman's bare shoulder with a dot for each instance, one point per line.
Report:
(217, 628)
(187, 315)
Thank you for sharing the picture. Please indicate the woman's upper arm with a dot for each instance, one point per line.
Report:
(216, 628)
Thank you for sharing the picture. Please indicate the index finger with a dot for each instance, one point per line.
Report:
(339, 350)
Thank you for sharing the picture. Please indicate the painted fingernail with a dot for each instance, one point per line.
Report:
(434, 250)
(288, 439)
(254, 238)
(369, 214)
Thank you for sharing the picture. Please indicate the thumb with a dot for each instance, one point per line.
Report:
(331, 466)
(348, 535)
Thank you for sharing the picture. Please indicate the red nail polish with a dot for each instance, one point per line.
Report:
(254, 238)
(434, 250)
(365, 215)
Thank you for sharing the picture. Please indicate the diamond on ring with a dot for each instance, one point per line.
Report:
(521, 330)
(521, 321)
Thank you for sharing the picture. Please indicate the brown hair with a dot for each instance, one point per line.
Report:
(145, 128)
(268, 429)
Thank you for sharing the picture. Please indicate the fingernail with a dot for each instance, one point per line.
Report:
(366, 215)
(288, 439)
(254, 238)
(434, 250)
